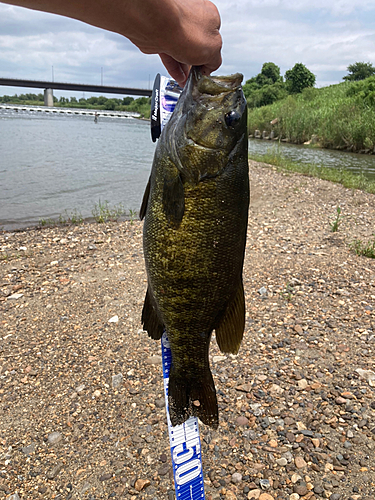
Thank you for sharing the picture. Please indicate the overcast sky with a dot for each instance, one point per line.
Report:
(324, 35)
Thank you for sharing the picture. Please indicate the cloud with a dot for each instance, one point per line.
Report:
(325, 36)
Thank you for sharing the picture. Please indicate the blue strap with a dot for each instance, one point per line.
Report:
(184, 442)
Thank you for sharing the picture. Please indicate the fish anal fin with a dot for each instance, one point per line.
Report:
(188, 397)
(230, 330)
(150, 318)
(174, 198)
(146, 196)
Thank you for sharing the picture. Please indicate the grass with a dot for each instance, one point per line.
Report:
(103, 213)
(340, 116)
(366, 249)
(337, 221)
(348, 179)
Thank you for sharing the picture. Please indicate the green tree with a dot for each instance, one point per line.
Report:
(127, 100)
(359, 71)
(271, 71)
(299, 78)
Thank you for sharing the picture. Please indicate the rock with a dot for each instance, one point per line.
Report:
(27, 450)
(54, 438)
(302, 384)
(106, 476)
(266, 496)
(114, 319)
(257, 134)
(96, 393)
(117, 380)
(335, 496)
(300, 462)
(216, 359)
(368, 375)
(230, 495)
(294, 496)
(281, 461)
(141, 484)
(236, 478)
(15, 496)
(51, 474)
(300, 488)
(262, 291)
(241, 421)
(15, 296)
(154, 360)
(160, 403)
(265, 484)
(254, 494)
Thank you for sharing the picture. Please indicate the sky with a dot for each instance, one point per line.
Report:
(324, 35)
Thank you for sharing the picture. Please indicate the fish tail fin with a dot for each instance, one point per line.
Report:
(188, 397)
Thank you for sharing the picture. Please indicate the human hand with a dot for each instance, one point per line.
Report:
(184, 33)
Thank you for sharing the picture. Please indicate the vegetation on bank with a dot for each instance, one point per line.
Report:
(141, 105)
(339, 176)
(340, 116)
(102, 212)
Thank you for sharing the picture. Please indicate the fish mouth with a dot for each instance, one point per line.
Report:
(213, 85)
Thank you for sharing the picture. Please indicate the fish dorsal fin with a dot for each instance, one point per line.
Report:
(146, 196)
(230, 330)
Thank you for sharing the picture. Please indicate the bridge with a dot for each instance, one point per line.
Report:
(49, 86)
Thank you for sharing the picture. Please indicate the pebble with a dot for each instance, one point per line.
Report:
(114, 319)
(236, 478)
(54, 437)
(265, 484)
(51, 474)
(281, 461)
(254, 494)
(15, 496)
(27, 450)
(117, 380)
(141, 484)
(241, 421)
(300, 462)
(294, 496)
(154, 360)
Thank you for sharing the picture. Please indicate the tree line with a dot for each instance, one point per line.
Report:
(140, 105)
(269, 86)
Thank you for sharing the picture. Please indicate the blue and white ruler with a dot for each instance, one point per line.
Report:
(185, 443)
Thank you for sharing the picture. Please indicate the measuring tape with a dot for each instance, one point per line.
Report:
(184, 442)
(165, 94)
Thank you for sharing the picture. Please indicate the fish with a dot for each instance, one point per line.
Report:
(195, 211)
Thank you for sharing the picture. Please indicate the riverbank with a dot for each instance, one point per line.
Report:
(297, 414)
(340, 117)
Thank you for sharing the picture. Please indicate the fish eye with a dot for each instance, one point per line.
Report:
(232, 119)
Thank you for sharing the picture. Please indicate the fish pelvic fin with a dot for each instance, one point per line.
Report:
(150, 318)
(188, 397)
(230, 330)
(173, 197)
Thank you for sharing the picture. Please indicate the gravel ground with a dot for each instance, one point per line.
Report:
(81, 394)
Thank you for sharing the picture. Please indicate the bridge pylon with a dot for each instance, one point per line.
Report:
(48, 97)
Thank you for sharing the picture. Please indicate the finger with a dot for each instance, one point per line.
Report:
(178, 71)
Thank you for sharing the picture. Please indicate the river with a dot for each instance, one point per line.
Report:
(54, 164)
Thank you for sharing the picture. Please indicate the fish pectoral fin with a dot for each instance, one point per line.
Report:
(230, 330)
(174, 197)
(146, 196)
(196, 397)
(150, 318)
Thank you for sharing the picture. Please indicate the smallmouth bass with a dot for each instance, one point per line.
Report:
(195, 211)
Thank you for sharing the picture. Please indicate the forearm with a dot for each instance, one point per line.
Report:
(183, 32)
